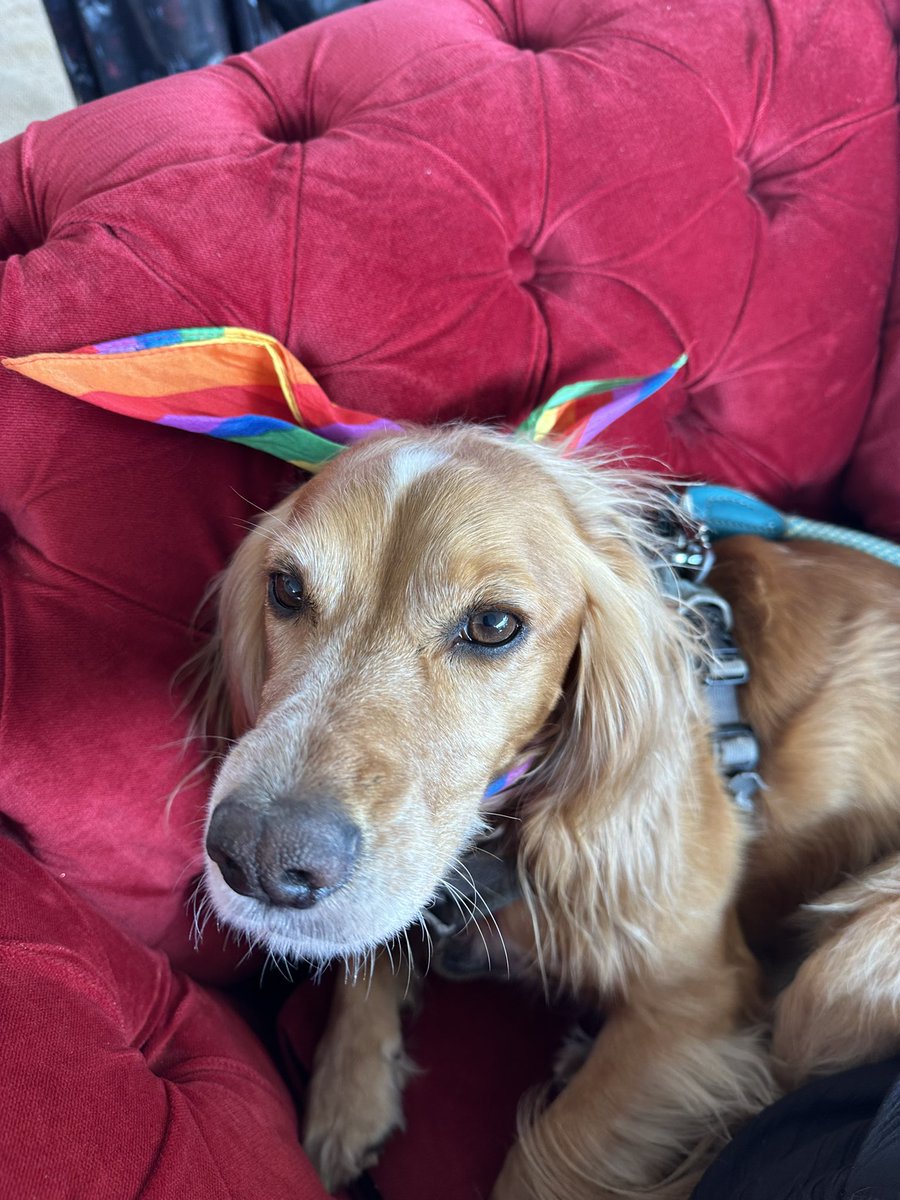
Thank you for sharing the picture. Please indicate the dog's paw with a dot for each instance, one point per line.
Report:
(353, 1107)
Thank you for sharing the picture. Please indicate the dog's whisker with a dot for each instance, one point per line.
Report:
(466, 875)
(191, 866)
(409, 963)
(198, 737)
(483, 908)
(368, 965)
(459, 898)
(455, 897)
(197, 902)
(473, 915)
(387, 950)
(263, 512)
(269, 958)
(489, 853)
(486, 911)
(428, 941)
(196, 773)
(461, 869)
(277, 962)
(248, 953)
(500, 816)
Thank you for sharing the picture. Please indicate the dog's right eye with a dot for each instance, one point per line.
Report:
(286, 595)
(492, 628)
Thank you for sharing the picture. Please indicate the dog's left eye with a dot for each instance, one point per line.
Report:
(492, 628)
(286, 594)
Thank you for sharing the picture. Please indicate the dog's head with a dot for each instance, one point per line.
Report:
(391, 638)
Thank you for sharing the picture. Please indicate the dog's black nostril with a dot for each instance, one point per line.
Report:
(294, 889)
(237, 878)
(299, 878)
(231, 843)
(308, 849)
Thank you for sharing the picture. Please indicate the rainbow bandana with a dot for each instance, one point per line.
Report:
(246, 387)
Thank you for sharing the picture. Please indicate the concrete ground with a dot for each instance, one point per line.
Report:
(33, 81)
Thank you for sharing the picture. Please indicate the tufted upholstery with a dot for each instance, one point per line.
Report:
(93, 1012)
(446, 208)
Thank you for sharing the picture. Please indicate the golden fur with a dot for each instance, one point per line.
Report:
(643, 882)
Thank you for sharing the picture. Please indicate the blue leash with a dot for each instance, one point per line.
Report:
(726, 512)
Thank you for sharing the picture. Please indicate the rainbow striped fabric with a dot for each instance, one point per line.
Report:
(574, 415)
(244, 386)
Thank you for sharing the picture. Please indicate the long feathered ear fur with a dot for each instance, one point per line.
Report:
(599, 840)
(229, 671)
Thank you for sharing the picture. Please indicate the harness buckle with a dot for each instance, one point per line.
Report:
(694, 559)
(690, 554)
(744, 787)
(728, 666)
(735, 749)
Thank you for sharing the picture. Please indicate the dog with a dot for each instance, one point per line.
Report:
(437, 606)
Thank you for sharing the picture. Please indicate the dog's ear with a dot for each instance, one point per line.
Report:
(621, 707)
(230, 669)
(240, 632)
(602, 805)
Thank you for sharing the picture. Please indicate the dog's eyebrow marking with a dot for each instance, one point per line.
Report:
(411, 462)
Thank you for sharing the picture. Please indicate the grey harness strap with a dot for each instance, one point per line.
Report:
(734, 743)
(688, 562)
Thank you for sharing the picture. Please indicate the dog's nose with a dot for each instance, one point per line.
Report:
(231, 842)
(291, 853)
(308, 849)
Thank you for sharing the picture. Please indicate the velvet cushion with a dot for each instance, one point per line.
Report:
(121, 1077)
(446, 209)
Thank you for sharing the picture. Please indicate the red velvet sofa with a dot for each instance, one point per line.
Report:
(446, 209)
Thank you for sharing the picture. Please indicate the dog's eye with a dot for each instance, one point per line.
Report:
(491, 628)
(286, 594)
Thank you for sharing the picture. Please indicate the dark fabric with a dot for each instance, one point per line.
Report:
(835, 1139)
(109, 45)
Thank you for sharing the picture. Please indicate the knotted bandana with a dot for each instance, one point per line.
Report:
(243, 386)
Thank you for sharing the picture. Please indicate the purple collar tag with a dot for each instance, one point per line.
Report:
(502, 782)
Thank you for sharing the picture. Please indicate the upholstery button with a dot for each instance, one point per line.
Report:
(521, 264)
(756, 189)
(744, 175)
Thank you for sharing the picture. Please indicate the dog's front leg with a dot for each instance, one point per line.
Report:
(663, 1078)
(354, 1101)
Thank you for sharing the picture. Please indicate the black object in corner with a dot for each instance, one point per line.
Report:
(109, 45)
